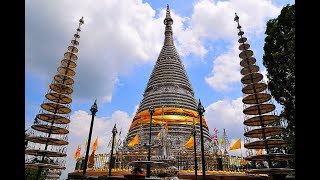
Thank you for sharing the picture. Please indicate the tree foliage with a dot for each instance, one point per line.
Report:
(32, 174)
(279, 59)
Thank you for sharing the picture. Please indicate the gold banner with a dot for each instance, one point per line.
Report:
(159, 111)
(143, 117)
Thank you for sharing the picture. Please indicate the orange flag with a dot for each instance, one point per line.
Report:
(91, 160)
(95, 144)
(236, 145)
(166, 127)
(77, 153)
(259, 151)
(243, 162)
(190, 142)
(134, 141)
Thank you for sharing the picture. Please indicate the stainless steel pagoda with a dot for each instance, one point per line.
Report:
(170, 94)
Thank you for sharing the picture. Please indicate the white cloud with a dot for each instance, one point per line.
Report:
(102, 128)
(226, 114)
(187, 41)
(226, 70)
(115, 36)
(136, 107)
(214, 19)
(264, 73)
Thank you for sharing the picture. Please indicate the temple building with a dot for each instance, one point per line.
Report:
(169, 93)
(170, 97)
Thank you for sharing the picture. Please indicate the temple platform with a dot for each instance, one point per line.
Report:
(126, 174)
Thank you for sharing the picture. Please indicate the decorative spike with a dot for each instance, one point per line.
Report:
(236, 18)
(94, 107)
(81, 20)
(56, 133)
(258, 110)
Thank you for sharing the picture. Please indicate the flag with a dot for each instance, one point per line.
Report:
(95, 144)
(221, 141)
(258, 151)
(77, 153)
(190, 142)
(159, 134)
(166, 127)
(134, 141)
(91, 160)
(236, 145)
(215, 138)
(212, 136)
(243, 162)
(86, 143)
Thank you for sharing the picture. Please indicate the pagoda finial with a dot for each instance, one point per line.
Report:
(168, 20)
(168, 12)
(81, 20)
(236, 18)
(168, 32)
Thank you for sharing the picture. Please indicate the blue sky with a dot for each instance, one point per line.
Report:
(119, 44)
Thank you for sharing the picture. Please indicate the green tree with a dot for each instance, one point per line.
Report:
(31, 174)
(279, 59)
